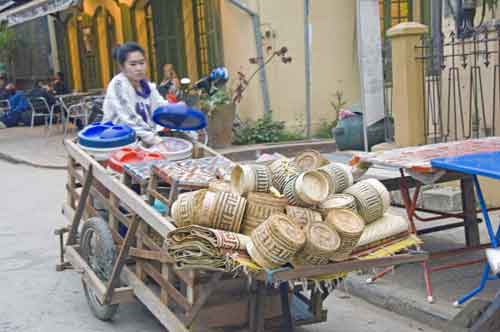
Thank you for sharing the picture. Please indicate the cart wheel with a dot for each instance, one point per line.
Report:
(98, 250)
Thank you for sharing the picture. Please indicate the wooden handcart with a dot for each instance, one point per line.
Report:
(115, 239)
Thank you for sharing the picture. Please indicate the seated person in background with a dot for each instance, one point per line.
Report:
(18, 105)
(170, 83)
(38, 91)
(3, 85)
(58, 85)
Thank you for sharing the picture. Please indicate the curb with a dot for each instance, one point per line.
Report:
(14, 160)
(357, 286)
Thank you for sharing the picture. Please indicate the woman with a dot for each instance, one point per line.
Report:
(130, 97)
(170, 83)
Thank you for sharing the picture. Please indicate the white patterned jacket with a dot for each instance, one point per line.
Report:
(123, 104)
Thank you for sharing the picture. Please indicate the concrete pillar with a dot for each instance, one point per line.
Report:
(54, 51)
(408, 83)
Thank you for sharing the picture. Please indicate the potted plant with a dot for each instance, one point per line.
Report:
(220, 111)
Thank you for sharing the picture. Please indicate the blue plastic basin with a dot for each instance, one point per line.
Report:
(101, 135)
(180, 117)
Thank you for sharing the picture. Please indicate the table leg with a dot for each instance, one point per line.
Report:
(471, 228)
(411, 206)
(494, 243)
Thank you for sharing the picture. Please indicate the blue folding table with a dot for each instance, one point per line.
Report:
(479, 164)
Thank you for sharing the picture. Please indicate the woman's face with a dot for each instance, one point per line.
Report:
(135, 66)
(168, 71)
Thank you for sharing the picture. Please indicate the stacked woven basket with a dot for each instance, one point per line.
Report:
(300, 211)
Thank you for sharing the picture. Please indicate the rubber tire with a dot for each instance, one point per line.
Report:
(106, 261)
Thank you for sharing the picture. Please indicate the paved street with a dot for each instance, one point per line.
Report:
(34, 297)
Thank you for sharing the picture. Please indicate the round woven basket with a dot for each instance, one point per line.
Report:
(369, 201)
(338, 201)
(247, 178)
(242, 179)
(310, 159)
(321, 243)
(303, 216)
(308, 189)
(228, 212)
(339, 176)
(260, 206)
(349, 226)
(382, 190)
(283, 171)
(204, 209)
(183, 209)
(276, 241)
(219, 186)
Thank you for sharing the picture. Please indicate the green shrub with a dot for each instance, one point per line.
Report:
(325, 129)
(264, 130)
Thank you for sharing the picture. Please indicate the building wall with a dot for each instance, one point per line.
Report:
(334, 59)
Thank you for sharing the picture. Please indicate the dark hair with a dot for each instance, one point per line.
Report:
(121, 52)
(60, 75)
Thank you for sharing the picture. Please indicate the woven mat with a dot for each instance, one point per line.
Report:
(195, 172)
(419, 158)
(205, 248)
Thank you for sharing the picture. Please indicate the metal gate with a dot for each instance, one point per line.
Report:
(461, 85)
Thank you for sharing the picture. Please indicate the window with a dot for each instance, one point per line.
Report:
(393, 12)
(208, 35)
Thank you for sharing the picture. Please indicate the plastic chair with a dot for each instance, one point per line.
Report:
(39, 108)
(75, 112)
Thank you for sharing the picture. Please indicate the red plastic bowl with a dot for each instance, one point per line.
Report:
(130, 156)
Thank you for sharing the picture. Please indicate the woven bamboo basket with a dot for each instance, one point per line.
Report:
(321, 243)
(228, 212)
(204, 209)
(310, 159)
(260, 206)
(338, 201)
(385, 227)
(349, 226)
(370, 203)
(242, 179)
(248, 178)
(219, 186)
(222, 211)
(308, 189)
(283, 171)
(183, 209)
(276, 241)
(382, 190)
(339, 176)
(303, 216)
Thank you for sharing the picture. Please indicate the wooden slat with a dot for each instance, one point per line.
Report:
(161, 224)
(120, 295)
(348, 266)
(150, 255)
(171, 290)
(208, 290)
(81, 207)
(166, 317)
(120, 260)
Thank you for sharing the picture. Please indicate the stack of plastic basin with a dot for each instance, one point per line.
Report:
(102, 138)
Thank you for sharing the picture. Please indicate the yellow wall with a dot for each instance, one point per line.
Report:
(74, 54)
(141, 28)
(90, 6)
(189, 40)
(103, 48)
(334, 62)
